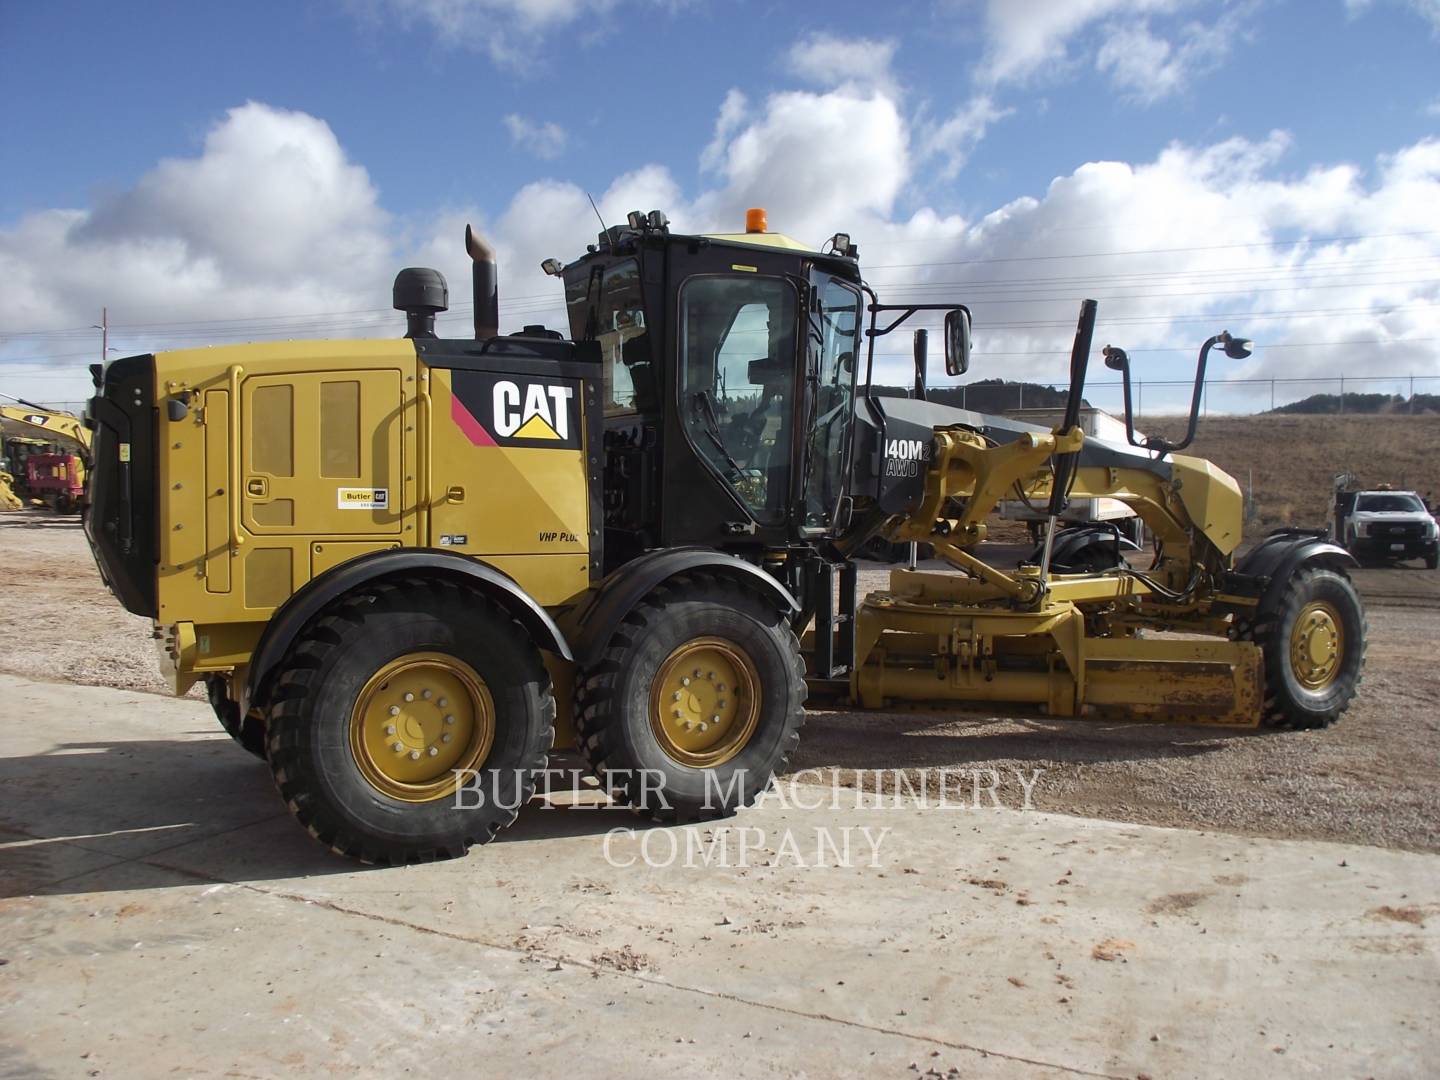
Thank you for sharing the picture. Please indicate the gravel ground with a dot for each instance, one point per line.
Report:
(1374, 778)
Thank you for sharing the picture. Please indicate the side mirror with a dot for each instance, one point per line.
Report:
(957, 341)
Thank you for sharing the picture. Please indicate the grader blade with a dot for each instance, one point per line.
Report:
(936, 651)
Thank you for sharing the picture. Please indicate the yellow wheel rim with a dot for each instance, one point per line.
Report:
(705, 702)
(1317, 645)
(419, 718)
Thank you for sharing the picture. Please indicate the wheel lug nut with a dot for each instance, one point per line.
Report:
(720, 704)
(398, 748)
(687, 725)
(678, 713)
(442, 703)
(433, 751)
(697, 673)
(685, 681)
(677, 695)
(427, 694)
(710, 675)
(414, 755)
(702, 725)
(449, 719)
(446, 737)
(409, 696)
(394, 710)
(389, 729)
(714, 719)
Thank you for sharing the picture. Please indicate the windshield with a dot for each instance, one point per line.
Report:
(833, 332)
(1390, 503)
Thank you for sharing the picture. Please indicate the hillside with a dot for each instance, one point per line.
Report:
(1293, 458)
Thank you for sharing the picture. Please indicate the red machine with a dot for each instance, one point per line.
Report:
(58, 479)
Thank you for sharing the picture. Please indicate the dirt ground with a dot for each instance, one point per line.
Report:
(1374, 778)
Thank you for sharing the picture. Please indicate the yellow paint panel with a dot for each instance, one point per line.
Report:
(268, 581)
(331, 553)
(271, 430)
(217, 498)
(519, 500)
(340, 428)
(276, 512)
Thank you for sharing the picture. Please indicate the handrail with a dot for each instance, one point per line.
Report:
(234, 441)
(423, 435)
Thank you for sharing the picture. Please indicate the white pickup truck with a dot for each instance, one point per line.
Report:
(1384, 525)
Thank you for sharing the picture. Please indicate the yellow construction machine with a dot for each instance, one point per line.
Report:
(44, 458)
(407, 569)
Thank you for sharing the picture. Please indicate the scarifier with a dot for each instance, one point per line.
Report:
(407, 569)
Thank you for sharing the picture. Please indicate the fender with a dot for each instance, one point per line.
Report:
(631, 583)
(1283, 552)
(287, 622)
(1070, 542)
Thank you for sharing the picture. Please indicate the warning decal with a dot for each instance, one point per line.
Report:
(364, 499)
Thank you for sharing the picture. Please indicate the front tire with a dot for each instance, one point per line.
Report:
(696, 702)
(1432, 557)
(409, 721)
(1313, 639)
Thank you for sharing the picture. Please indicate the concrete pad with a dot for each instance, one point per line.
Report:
(991, 942)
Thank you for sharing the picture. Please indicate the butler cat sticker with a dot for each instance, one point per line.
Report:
(505, 409)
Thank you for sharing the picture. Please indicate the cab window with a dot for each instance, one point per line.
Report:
(738, 387)
(607, 306)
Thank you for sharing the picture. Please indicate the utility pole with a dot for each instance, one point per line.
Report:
(104, 327)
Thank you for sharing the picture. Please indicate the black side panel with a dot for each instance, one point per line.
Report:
(121, 521)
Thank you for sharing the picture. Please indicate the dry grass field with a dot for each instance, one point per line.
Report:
(1292, 460)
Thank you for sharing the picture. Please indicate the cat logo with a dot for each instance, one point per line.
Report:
(543, 415)
(495, 409)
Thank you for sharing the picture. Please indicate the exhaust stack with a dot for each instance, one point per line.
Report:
(485, 283)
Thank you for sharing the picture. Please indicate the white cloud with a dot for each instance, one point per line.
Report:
(545, 139)
(1429, 10)
(1146, 61)
(270, 219)
(1148, 68)
(953, 140)
(507, 30)
(1433, 109)
(1025, 38)
(828, 61)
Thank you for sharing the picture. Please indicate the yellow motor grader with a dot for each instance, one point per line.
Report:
(407, 569)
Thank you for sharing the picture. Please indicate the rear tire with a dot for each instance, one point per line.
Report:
(377, 671)
(633, 705)
(1314, 640)
(249, 732)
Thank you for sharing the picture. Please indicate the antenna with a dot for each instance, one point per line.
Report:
(603, 228)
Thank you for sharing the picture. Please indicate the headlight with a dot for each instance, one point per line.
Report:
(1432, 531)
(1362, 528)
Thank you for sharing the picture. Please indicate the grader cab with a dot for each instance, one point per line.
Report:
(407, 569)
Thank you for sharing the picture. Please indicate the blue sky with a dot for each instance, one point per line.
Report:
(912, 127)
